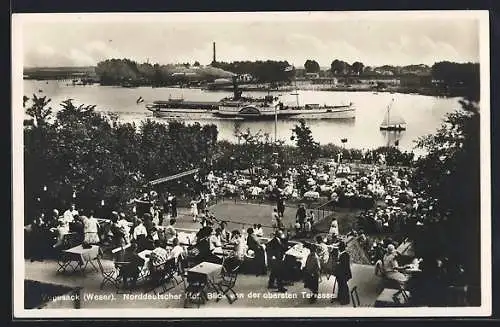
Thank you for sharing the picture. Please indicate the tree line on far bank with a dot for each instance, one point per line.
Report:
(130, 73)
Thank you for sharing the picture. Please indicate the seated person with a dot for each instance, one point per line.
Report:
(140, 229)
(170, 232)
(215, 239)
(323, 252)
(124, 228)
(258, 231)
(90, 230)
(203, 246)
(77, 227)
(159, 255)
(240, 245)
(390, 267)
(178, 254)
(133, 266)
(69, 215)
(224, 234)
(60, 231)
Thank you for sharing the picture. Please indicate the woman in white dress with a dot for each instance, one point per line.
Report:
(334, 228)
(194, 209)
(90, 230)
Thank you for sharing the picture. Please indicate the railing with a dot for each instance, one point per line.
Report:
(320, 213)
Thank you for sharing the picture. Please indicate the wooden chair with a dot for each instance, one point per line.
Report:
(65, 263)
(112, 276)
(194, 291)
(391, 297)
(162, 274)
(405, 296)
(228, 277)
(355, 297)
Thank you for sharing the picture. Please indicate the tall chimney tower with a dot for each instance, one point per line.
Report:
(214, 59)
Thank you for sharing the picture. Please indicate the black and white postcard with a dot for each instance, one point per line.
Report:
(260, 164)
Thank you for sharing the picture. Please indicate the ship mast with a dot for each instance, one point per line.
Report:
(296, 91)
(388, 121)
(275, 124)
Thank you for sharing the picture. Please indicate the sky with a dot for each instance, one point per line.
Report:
(388, 38)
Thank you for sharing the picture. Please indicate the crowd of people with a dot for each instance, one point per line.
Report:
(388, 202)
(212, 242)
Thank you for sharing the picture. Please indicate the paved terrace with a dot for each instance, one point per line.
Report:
(242, 214)
(363, 278)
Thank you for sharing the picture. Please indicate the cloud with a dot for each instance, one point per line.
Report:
(90, 54)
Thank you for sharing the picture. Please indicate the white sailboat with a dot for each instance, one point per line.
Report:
(393, 121)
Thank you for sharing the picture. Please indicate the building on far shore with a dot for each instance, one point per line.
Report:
(312, 75)
(245, 78)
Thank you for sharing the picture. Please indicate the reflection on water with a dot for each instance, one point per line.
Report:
(423, 114)
(393, 138)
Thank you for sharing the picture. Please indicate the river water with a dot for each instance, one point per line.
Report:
(423, 114)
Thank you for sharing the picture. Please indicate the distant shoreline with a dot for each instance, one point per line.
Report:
(427, 91)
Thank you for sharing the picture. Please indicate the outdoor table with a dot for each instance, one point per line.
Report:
(300, 254)
(108, 221)
(185, 238)
(206, 272)
(222, 251)
(294, 261)
(79, 255)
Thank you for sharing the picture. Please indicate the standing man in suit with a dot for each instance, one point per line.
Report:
(173, 205)
(276, 249)
(280, 205)
(300, 216)
(343, 274)
(253, 244)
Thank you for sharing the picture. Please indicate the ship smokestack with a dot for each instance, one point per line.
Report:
(236, 92)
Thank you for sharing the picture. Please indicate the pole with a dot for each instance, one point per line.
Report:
(296, 92)
(275, 124)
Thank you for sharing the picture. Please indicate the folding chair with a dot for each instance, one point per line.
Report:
(404, 294)
(162, 274)
(355, 297)
(112, 276)
(65, 262)
(171, 270)
(226, 284)
(194, 291)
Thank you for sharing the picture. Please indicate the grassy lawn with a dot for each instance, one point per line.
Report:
(243, 215)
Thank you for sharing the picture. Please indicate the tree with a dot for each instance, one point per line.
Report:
(196, 64)
(311, 66)
(450, 173)
(464, 76)
(357, 68)
(308, 148)
(339, 67)
(84, 152)
(39, 109)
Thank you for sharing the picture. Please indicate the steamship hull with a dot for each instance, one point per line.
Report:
(269, 113)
